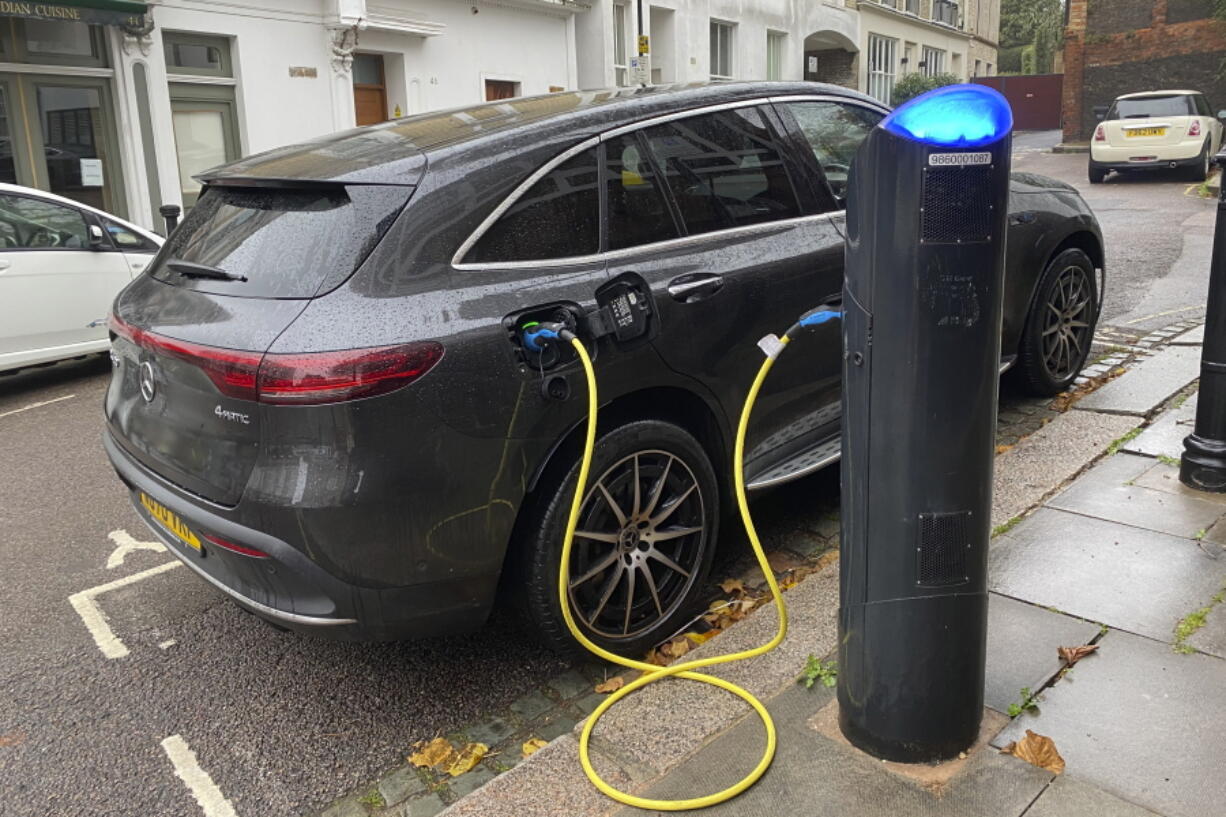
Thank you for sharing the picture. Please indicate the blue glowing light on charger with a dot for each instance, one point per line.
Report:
(956, 116)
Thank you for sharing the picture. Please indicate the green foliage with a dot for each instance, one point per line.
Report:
(913, 84)
(1028, 703)
(1010, 59)
(1192, 622)
(817, 670)
(1120, 442)
(1029, 60)
(373, 799)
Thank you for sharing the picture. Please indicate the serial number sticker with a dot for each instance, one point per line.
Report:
(959, 159)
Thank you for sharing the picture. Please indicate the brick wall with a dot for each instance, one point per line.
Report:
(1114, 47)
(834, 65)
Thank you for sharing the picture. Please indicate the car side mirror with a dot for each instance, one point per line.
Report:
(97, 239)
(1221, 114)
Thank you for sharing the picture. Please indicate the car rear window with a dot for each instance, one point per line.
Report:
(1147, 106)
(286, 242)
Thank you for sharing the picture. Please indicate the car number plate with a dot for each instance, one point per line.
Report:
(169, 521)
(1145, 132)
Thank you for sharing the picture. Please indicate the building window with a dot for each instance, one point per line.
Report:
(496, 89)
(621, 63)
(977, 64)
(881, 67)
(912, 6)
(987, 71)
(774, 54)
(721, 50)
(197, 54)
(934, 61)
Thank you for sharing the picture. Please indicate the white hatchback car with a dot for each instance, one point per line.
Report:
(1156, 130)
(61, 265)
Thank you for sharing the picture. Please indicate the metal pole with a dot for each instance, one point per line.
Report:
(1203, 465)
(170, 212)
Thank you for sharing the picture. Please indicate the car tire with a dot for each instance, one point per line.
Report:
(1200, 171)
(1096, 174)
(678, 566)
(1060, 325)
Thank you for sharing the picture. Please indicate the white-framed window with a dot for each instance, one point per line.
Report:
(934, 61)
(721, 49)
(912, 6)
(774, 54)
(621, 50)
(882, 67)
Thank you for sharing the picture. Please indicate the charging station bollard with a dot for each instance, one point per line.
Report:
(1203, 465)
(926, 218)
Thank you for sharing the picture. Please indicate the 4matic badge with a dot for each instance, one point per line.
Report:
(232, 416)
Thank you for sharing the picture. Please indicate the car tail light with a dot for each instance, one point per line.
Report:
(1194, 128)
(1100, 134)
(332, 377)
(296, 379)
(240, 549)
(232, 372)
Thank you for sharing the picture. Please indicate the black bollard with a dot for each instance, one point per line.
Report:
(922, 301)
(1203, 465)
(170, 212)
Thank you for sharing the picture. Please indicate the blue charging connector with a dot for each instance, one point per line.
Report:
(820, 315)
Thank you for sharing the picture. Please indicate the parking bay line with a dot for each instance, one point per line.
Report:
(95, 620)
(39, 404)
(202, 787)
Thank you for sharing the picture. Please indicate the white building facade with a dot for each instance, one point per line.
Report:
(118, 103)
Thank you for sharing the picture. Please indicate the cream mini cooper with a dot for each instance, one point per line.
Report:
(1156, 130)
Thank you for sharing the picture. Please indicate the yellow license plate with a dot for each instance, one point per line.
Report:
(1145, 132)
(169, 521)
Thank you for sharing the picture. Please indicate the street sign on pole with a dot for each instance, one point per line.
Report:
(640, 70)
(644, 44)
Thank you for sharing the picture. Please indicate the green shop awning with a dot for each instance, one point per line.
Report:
(99, 12)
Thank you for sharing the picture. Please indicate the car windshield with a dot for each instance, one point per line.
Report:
(1143, 107)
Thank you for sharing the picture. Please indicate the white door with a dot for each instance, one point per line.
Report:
(55, 290)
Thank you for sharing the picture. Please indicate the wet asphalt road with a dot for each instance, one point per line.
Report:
(283, 723)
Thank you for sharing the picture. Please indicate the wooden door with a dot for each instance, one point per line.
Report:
(500, 89)
(369, 89)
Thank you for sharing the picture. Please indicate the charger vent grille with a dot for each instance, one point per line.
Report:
(944, 544)
(956, 205)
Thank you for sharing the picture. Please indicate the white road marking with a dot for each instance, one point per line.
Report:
(95, 620)
(212, 802)
(39, 404)
(125, 544)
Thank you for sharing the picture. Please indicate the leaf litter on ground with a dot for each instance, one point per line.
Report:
(1037, 750)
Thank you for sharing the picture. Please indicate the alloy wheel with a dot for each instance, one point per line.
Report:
(640, 541)
(1066, 323)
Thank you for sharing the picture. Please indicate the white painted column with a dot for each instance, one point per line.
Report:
(341, 43)
(130, 50)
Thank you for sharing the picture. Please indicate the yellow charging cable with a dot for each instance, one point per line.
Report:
(651, 672)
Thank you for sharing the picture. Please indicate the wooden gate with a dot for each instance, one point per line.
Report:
(1036, 99)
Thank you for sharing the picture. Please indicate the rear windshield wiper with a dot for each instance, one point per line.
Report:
(191, 269)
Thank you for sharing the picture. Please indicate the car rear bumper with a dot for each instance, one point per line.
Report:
(289, 589)
(1184, 154)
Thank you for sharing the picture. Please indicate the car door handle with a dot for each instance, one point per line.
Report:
(694, 287)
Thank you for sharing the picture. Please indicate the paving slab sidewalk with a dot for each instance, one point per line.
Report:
(1145, 387)
(647, 738)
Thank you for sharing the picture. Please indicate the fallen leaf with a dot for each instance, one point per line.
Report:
(435, 753)
(1071, 655)
(654, 657)
(1000, 449)
(732, 586)
(533, 745)
(612, 685)
(702, 638)
(469, 756)
(1037, 750)
(790, 582)
(12, 739)
(827, 558)
(676, 648)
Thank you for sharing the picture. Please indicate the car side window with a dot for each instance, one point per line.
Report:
(126, 239)
(558, 217)
(1202, 106)
(29, 223)
(834, 130)
(637, 211)
(724, 170)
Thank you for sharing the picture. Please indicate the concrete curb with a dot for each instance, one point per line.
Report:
(1072, 147)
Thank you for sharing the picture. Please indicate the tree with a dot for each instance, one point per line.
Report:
(913, 84)
(1033, 23)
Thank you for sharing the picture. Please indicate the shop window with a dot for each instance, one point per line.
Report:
(52, 42)
(558, 217)
(724, 170)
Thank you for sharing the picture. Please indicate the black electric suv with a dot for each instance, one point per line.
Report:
(320, 400)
